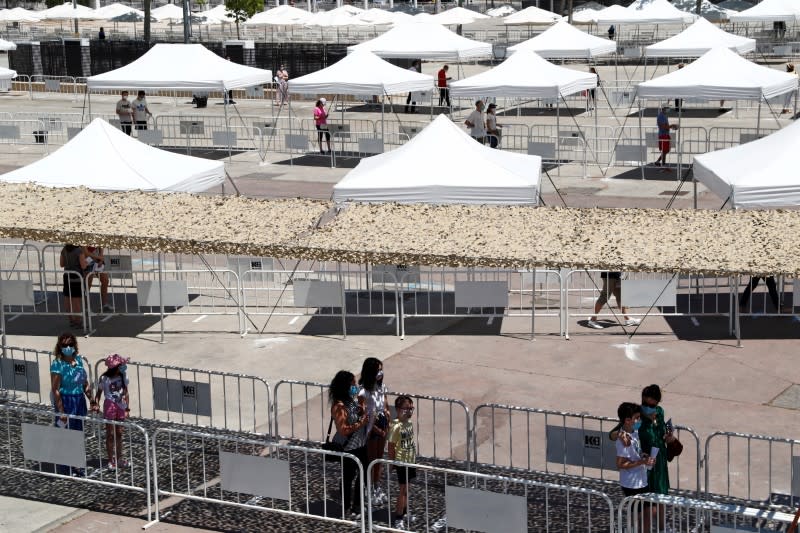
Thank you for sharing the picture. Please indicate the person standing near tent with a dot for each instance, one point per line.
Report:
(612, 285)
(411, 106)
(125, 113)
(441, 81)
(593, 103)
(664, 138)
(477, 123)
(73, 261)
(790, 70)
(283, 84)
(321, 123)
(493, 129)
(140, 111)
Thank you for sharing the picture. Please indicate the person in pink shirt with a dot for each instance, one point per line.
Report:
(321, 123)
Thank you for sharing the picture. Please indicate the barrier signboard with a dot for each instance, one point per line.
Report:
(180, 396)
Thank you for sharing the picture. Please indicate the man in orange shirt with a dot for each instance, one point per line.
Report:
(441, 82)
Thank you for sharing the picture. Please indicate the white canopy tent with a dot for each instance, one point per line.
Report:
(443, 165)
(760, 174)
(5, 46)
(166, 12)
(655, 12)
(427, 41)
(564, 41)
(376, 15)
(68, 11)
(103, 158)
(526, 75)
(769, 11)
(532, 15)
(283, 15)
(217, 15)
(720, 74)
(18, 14)
(180, 67)
(585, 16)
(6, 75)
(362, 73)
(335, 18)
(458, 15)
(114, 10)
(698, 39)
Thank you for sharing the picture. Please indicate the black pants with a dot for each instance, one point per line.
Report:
(412, 106)
(126, 127)
(772, 288)
(444, 96)
(350, 475)
(141, 124)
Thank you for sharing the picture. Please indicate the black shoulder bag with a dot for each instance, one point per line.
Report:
(332, 446)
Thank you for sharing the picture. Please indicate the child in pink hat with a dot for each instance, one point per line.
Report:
(114, 385)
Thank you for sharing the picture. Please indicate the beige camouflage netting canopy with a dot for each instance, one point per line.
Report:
(651, 240)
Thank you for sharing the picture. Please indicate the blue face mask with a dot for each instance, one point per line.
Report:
(648, 411)
(353, 391)
(68, 351)
(637, 425)
(123, 368)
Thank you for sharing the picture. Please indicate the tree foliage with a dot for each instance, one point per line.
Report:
(241, 10)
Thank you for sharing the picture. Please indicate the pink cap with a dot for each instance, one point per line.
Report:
(114, 360)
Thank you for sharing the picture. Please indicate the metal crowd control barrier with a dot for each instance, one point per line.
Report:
(301, 412)
(81, 453)
(25, 375)
(41, 292)
(441, 499)
(684, 515)
(565, 444)
(429, 292)
(209, 398)
(756, 469)
(252, 474)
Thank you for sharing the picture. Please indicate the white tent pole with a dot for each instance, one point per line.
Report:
(558, 133)
(641, 139)
(227, 125)
(680, 144)
(758, 120)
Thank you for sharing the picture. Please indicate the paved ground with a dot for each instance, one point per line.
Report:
(709, 383)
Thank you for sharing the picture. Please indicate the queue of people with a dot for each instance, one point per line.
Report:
(83, 263)
(360, 413)
(484, 127)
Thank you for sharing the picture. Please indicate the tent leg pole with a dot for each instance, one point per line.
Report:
(227, 125)
(161, 295)
(680, 144)
(558, 135)
(89, 99)
(758, 120)
(641, 139)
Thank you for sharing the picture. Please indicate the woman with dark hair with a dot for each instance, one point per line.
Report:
(114, 385)
(73, 261)
(350, 418)
(373, 392)
(69, 382)
(655, 435)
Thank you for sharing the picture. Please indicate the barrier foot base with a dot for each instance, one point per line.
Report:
(151, 523)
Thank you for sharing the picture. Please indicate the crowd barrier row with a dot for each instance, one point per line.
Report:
(291, 482)
(250, 292)
(755, 469)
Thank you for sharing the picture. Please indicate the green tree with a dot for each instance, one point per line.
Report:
(241, 10)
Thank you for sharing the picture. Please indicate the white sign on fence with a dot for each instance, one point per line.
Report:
(252, 474)
(650, 292)
(313, 293)
(481, 294)
(50, 444)
(580, 447)
(16, 292)
(175, 293)
(179, 396)
(481, 510)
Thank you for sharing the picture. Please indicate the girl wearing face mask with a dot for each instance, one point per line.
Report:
(114, 384)
(350, 417)
(373, 392)
(70, 386)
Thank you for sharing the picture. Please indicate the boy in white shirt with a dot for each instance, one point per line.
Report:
(632, 463)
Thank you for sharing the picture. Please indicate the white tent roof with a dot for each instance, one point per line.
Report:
(180, 66)
(68, 11)
(758, 174)
(525, 74)
(655, 12)
(698, 39)
(769, 11)
(18, 14)
(167, 12)
(611, 14)
(7, 45)
(216, 15)
(7, 73)
(720, 74)
(115, 10)
(283, 15)
(501, 11)
(102, 157)
(563, 40)
(532, 15)
(376, 15)
(443, 165)
(338, 17)
(585, 16)
(361, 73)
(424, 40)
(458, 15)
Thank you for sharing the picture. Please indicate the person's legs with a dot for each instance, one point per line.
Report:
(111, 446)
(328, 140)
(120, 453)
(104, 281)
(441, 96)
(319, 139)
(408, 101)
(349, 473)
(745, 298)
(141, 124)
(447, 95)
(616, 290)
(375, 448)
(772, 288)
(601, 300)
(127, 127)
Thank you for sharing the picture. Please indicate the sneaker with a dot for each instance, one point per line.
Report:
(440, 525)
(107, 308)
(657, 163)
(633, 322)
(594, 324)
(112, 465)
(399, 524)
(355, 516)
(124, 463)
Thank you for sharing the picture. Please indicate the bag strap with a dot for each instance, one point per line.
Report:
(330, 426)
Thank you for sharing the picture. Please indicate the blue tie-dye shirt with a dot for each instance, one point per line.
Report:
(73, 377)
